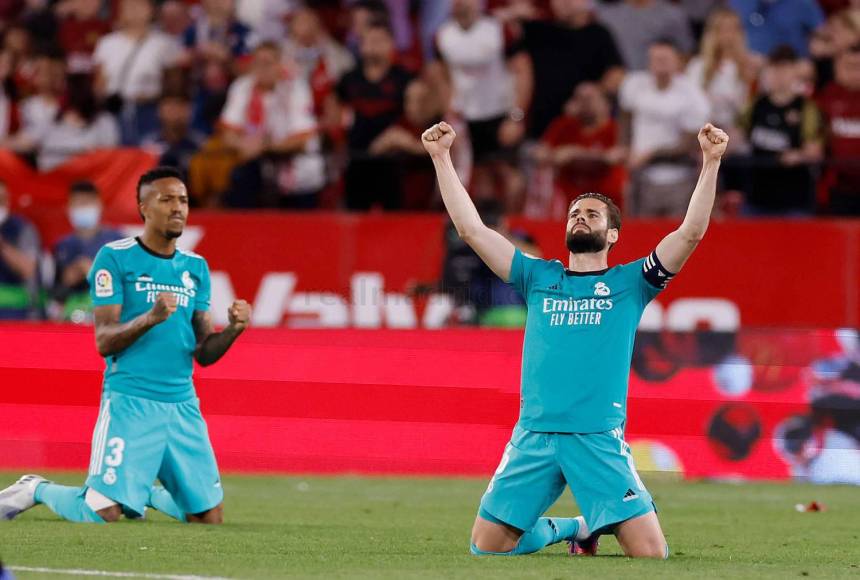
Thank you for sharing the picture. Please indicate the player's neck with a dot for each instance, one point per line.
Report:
(587, 262)
(158, 243)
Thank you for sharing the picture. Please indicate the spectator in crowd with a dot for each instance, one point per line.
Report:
(839, 33)
(269, 121)
(784, 130)
(431, 15)
(772, 23)
(637, 24)
(130, 65)
(840, 104)
(315, 55)
(724, 70)
(564, 52)
(17, 61)
(480, 297)
(415, 177)
(81, 24)
(374, 93)
(38, 112)
(74, 253)
(662, 113)
(19, 251)
(266, 17)
(174, 18)
(364, 14)
(80, 127)
(490, 88)
(216, 35)
(582, 146)
(174, 142)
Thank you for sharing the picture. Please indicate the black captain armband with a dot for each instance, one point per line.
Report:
(654, 272)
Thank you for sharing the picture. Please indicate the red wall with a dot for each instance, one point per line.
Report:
(422, 402)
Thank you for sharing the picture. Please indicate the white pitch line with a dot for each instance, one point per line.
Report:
(105, 573)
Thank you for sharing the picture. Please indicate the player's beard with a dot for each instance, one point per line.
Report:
(586, 242)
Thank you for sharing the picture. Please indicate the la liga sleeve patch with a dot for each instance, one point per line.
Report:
(103, 284)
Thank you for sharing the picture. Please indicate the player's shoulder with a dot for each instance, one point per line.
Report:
(193, 258)
(540, 265)
(119, 246)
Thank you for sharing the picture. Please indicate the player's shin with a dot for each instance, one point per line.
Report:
(67, 502)
(160, 499)
(548, 531)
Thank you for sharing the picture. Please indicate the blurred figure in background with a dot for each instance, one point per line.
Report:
(74, 253)
(130, 65)
(82, 24)
(479, 296)
(174, 142)
(311, 52)
(661, 113)
(784, 131)
(839, 33)
(487, 83)
(38, 112)
(772, 23)
(269, 121)
(80, 127)
(582, 146)
(216, 35)
(373, 93)
(19, 254)
(637, 24)
(401, 142)
(840, 105)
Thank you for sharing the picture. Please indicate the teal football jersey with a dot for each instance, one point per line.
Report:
(159, 364)
(578, 342)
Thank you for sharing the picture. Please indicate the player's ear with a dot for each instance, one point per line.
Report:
(612, 235)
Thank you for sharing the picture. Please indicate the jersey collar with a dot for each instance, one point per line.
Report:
(149, 250)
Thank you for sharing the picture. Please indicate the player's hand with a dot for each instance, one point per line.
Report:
(239, 315)
(437, 140)
(165, 305)
(713, 142)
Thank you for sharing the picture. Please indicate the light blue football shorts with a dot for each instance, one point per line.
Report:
(598, 467)
(137, 440)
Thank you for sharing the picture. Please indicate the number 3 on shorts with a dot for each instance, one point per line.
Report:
(116, 446)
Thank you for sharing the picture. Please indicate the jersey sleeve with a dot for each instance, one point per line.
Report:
(524, 269)
(105, 279)
(653, 277)
(204, 289)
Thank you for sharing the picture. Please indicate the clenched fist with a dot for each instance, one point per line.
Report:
(165, 305)
(713, 141)
(239, 314)
(438, 139)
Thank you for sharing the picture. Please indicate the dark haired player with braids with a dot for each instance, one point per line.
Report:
(578, 344)
(151, 322)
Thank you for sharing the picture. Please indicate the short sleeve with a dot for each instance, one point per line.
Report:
(652, 277)
(233, 114)
(204, 289)
(105, 279)
(628, 90)
(523, 268)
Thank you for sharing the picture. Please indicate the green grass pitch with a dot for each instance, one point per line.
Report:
(367, 527)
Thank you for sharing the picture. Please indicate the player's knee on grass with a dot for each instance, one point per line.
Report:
(213, 516)
(642, 537)
(492, 537)
(648, 549)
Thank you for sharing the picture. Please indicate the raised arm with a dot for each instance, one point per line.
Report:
(113, 336)
(493, 248)
(675, 248)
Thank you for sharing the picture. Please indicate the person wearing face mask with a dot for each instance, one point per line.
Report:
(19, 251)
(74, 253)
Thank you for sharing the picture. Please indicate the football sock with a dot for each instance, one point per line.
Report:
(546, 532)
(67, 502)
(160, 499)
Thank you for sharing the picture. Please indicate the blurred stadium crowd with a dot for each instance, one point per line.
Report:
(321, 104)
(280, 103)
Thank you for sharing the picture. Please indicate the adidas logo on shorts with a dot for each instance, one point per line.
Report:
(630, 495)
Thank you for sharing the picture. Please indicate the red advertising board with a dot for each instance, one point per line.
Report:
(340, 270)
(444, 402)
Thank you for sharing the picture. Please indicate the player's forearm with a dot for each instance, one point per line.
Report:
(698, 215)
(455, 197)
(114, 338)
(216, 345)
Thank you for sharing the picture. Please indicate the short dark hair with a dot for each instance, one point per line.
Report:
(152, 175)
(380, 22)
(84, 186)
(614, 213)
(782, 54)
